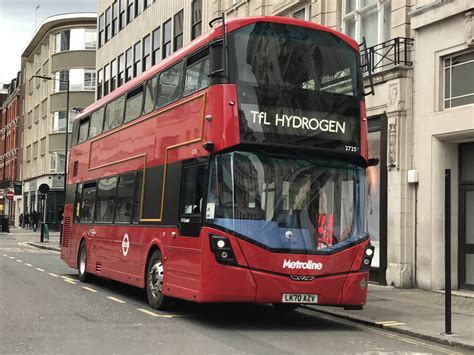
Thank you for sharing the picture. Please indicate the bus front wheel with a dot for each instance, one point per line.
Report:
(154, 282)
(82, 274)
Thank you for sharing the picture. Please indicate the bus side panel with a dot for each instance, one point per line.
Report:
(182, 264)
(355, 289)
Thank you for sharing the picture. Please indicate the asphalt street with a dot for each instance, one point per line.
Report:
(45, 310)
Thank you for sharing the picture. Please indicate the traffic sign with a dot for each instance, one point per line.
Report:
(10, 194)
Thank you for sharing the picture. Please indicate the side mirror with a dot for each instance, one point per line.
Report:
(374, 161)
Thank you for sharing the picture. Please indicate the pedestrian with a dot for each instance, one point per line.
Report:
(35, 220)
(27, 220)
(20, 220)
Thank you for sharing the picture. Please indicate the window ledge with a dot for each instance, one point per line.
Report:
(236, 6)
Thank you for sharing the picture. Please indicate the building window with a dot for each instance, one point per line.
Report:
(100, 82)
(115, 15)
(178, 31)
(129, 64)
(138, 7)
(155, 57)
(90, 38)
(138, 58)
(121, 70)
(123, 11)
(146, 3)
(108, 24)
(79, 79)
(57, 162)
(59, 121)
(106, 79)
(146, 53)
(367, 18)
(75, 39)
(196, 21)
(60, 82)
(101, 30)
(113, 75)
(130, 11)
(89, 79)
(459, 80)
(166, 38)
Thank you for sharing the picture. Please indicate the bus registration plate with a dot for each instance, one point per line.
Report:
(299, 298)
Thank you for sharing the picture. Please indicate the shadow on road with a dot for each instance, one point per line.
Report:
(238, 316)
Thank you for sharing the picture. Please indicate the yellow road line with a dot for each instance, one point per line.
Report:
(70, 281)
(118, 300)
(28, 265)
(153, 314)
(53, 275)
(390, 335)
(39, 269)
(89, 289)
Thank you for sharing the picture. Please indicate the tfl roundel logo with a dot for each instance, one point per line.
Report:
(125, 245)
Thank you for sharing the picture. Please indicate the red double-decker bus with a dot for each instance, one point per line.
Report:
(232, 171)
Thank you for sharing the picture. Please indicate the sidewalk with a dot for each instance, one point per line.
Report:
(414, 312)
(33, 238)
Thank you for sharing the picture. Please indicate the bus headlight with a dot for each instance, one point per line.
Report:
(222, 250)
(367, 260)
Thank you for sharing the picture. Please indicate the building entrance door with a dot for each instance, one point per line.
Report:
(466, 216)
(466, 240)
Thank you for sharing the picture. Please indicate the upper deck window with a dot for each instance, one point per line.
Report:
(292, 58)
(97, 121)
(83, 130)
(133, 106)
(197, 75)
(114, 113)
(170, 84)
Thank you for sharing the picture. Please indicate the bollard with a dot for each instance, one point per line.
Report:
(46, 233)
(42, 233)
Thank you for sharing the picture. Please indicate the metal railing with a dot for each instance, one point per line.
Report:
(385, 55)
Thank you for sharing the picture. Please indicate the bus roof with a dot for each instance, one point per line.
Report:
(232, 25)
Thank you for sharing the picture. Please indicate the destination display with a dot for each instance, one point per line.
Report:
(312, 128)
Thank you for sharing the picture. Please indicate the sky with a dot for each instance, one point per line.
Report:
(18, 21)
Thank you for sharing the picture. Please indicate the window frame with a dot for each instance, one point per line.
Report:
(178, 37)
(196, 57)
(98, 195)
(449, 68)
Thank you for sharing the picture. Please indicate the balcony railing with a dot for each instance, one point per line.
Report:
(386, 55)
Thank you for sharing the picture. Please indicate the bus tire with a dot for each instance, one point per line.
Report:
(154, 283)
(285, 307)
(82, 273)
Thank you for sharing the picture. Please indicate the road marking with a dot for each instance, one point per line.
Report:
(153, 314)
(385, 333)
(118, 300)
(5, 255)
(28, 265)
(72, 282)
(39, 269)
(19, 261)
(54, 252)
(53, 275)
(389, 323)
(11, 257)
(89, 289)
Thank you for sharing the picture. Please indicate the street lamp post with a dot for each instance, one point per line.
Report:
(67, 139)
